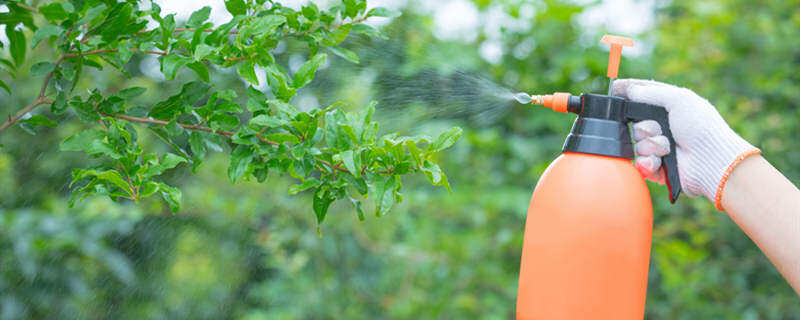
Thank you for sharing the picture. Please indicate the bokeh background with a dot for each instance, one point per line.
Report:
(250, 251)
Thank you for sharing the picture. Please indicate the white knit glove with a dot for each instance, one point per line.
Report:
(707, 148)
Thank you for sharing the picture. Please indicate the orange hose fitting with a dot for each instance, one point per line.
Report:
(557, 101)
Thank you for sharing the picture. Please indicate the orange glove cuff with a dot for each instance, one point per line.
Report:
(724, 180)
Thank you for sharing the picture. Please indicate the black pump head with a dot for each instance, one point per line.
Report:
(602, 129)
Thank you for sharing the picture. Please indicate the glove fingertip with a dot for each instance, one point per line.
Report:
(647, 165)
(657, 176)
(645, 128)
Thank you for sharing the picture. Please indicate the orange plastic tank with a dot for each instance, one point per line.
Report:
(587, 241)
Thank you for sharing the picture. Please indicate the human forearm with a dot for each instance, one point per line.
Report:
(766, 206)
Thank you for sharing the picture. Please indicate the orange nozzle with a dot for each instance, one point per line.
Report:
(557, 101)
(614, 55)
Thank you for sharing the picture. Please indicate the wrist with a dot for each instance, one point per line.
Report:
(718, 155)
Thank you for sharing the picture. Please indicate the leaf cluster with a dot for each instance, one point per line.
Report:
(332, 154)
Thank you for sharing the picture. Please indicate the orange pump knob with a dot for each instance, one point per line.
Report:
(614, 55)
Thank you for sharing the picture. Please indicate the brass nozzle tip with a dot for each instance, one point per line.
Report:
(537, 99)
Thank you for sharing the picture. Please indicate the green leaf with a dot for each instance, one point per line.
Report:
(369, 31)
(359, 209)
(200, 69)
(5, 86)
(240, 160)
(115, 178)
(148, 189)
(17, 45)
(171, 64)
(322, 200)
(227, 95)
(120, 20)
(42, 68)
(266, 121)
(446, 139)
(383, 12)
(167, 109)
(227, 106)
(222, 121)
(220, 35)
(336, 36)
(193, 91)
(45, 32)
(353, 7)
(267, 24)
(80, 140)
(173, 129)
(305, 74)
(384, 195)
(283, 137)
(54, 11)
(352, 162)
(310, 11)
(236, 7)
(256, 94)
(92, 13)
(309, 183)
(39, 120)
(130, 93)
(245, 135)
(344, 53)
(167, 28)
(435, 174)
(111, 176)
(278, 83)
(199, 17)
(247, 71)
(169, 161)
(177, 104)
(202, 51)
(198, 144)
(162, 134)
(172, 195)
(59, 104)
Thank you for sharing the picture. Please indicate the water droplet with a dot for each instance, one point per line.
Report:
(523, 97)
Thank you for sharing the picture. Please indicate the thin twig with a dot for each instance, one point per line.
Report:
(100, 51)
(27, 7)
(13, 119)
(187, 29)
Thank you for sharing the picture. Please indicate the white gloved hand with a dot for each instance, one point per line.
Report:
(707, 148)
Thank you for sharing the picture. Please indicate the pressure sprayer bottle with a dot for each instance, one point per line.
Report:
(587, 236)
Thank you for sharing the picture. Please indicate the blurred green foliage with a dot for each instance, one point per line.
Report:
(249, 251)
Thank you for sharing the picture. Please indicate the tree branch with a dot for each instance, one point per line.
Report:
(161, 53)
(40, 100)
(185, 126)
(299, 34)
(328, 28)
(224, 133)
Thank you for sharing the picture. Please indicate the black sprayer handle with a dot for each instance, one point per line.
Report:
(636, 111)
